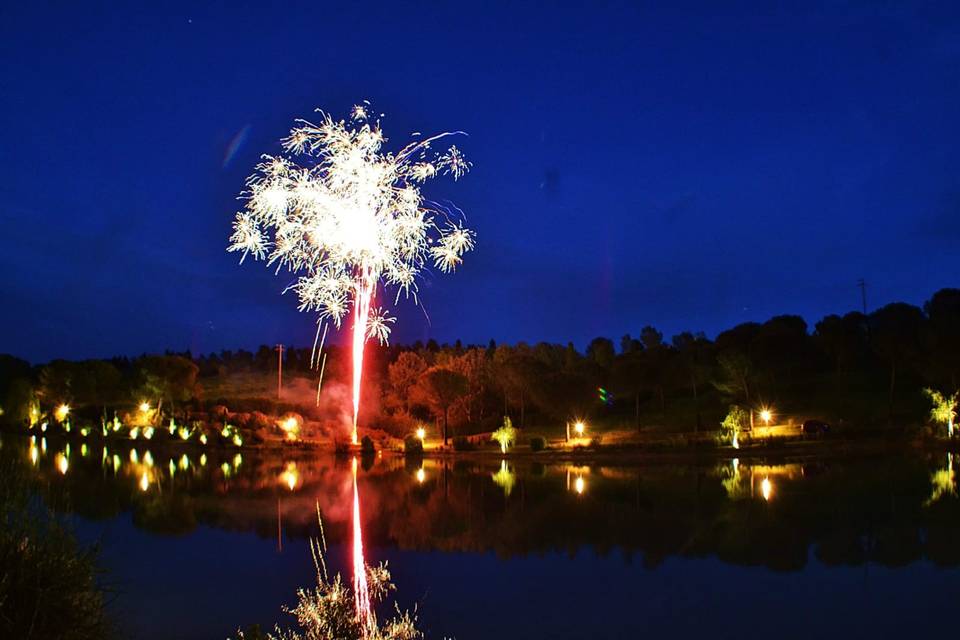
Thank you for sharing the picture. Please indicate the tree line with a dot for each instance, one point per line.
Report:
(862, 369)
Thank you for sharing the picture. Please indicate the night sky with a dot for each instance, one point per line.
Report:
(676, 165)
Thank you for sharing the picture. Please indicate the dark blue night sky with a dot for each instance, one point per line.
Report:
(665, 163)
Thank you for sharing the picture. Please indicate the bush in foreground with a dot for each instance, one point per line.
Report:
(327, 610)
(47, 580)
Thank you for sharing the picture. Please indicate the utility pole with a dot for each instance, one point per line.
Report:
(279, 349)
(863, 293)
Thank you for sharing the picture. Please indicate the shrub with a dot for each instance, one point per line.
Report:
(461, 443)
(506, 435)
(366, 446)
(412, 445)
(537, 443)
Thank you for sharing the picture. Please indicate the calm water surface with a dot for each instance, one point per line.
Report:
(195, 545)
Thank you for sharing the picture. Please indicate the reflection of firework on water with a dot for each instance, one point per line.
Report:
(361, 593)
(351, 216)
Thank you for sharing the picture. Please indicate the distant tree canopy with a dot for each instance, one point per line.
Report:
(864, 369)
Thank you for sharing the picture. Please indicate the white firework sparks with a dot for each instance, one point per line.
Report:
(345, 216)
(351, 214)
(378, 325)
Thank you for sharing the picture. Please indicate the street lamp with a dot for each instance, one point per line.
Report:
(421, 434)
(766, 416)
(144, 407)
(579, 427)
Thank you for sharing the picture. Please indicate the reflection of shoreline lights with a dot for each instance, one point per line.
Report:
(943, 482)
(62, 463)
(148, 459)
(144, 481)
(203, 459)
(579, 485)
(34, 453)
(184, 462)
(134, 458)
(421, 475)
(736, 441)
(290, 476)
(504, 478)
(353, 217)
(361, 593)
(766, 488)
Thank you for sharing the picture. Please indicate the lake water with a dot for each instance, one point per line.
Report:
(195, 545)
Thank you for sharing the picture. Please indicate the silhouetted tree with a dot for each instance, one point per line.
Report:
(440, 388)
(895, 332)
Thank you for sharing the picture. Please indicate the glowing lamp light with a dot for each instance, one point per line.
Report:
(144, 481)
(766, 416)
(766, 488)
(34, 453)
(579, 427)
(421, 434)
(290, 427)
(62, 412)
(144, 407)
(421, 475)
(62, 463)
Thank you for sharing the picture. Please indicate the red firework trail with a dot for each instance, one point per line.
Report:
(361, 315)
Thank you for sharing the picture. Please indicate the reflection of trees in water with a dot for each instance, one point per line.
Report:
(848, 511)
(944, 482)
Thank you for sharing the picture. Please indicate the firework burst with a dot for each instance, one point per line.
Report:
(346, 216)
